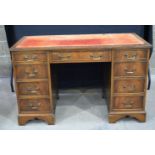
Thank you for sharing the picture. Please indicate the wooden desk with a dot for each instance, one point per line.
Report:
(125, 76)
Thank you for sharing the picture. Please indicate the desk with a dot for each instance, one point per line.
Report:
(125, 78)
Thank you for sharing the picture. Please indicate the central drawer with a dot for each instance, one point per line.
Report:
(80, 56)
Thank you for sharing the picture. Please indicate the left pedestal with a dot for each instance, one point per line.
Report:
(33, 86)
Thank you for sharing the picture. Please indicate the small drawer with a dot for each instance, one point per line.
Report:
(130, 55)
(34, 71)
(30, 56)
(128, 103)
(34, 105)
(129, 86)
(64, 56)
(130, 69)
(33, 88)
(95, 56)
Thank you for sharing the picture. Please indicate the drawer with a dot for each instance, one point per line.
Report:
(34, 105)
(81, 56)
(34, 71)
(130, 69)
(128, 103)
(104, 56)
(30, 56)
(64, 56)
(130, 55)
(129, 86)
(33, 88)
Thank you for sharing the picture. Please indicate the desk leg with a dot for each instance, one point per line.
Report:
(141, 117)
(23, 119)
(51, 117)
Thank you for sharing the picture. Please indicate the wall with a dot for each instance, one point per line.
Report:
(4, 54)
(15, 32)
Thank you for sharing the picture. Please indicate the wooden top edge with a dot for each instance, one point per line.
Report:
(144, 45)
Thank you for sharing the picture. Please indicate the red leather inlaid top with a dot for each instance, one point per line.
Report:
(78, 40)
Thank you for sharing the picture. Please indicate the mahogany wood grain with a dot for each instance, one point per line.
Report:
(129, 85)
(31, 71)
(130, 55)
(130, 69)
(78, 56)
(29, 57)
(127, 103)
(33, 88)
(34, 105)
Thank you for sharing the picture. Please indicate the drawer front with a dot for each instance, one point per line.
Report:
(31, 71)
(94, 56)
(64, 56)
(34, 105)
(129, 86)
(128, 103)
(33, 88)
(130, 55)
(81, 56)
(30, 56)
(130, 69)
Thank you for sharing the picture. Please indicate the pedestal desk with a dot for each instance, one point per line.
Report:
(125, 75)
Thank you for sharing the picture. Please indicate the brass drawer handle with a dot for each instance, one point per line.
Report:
(30, 104)
(96, 57)
(128, 104)
(34, 106)
(64, 57)
(133, 57)
(130, 87)
(127, 71)
(32, 90)
(32, 74)
(28, 58)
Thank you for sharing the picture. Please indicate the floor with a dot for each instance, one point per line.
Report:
(81, 109)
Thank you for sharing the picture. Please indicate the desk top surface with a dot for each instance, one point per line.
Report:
(82, 40)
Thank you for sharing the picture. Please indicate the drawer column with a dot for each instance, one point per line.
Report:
(33, 86)
(128, 84)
